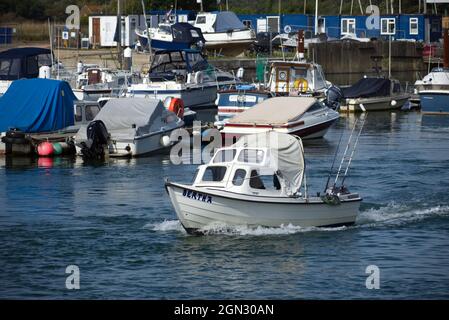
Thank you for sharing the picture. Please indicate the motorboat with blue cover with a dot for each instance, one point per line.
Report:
(177, 36)
(374, 94)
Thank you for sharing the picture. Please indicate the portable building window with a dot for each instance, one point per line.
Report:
(413, 26)
(388, 26)
(247, 23)
(273, 24)
(347, 26)
(226, 155)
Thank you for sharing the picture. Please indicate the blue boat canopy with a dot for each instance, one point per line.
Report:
(368, 87)
(228, 21)
(23, 62)
(37, 105)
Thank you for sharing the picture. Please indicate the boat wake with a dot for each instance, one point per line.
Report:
(398, 214)
(391, 214)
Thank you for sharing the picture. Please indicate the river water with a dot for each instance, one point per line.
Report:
(116, 223)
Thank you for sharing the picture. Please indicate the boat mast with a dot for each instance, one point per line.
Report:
(316, 17)
(147, 29)
(119, 32)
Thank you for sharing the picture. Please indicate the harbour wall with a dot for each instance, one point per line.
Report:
(345, 62)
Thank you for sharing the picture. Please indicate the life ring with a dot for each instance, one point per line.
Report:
(177, 107)
(302, 85)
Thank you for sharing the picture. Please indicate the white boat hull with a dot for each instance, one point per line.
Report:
(198, 208)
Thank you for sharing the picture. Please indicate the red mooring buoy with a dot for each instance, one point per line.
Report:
(45, 149)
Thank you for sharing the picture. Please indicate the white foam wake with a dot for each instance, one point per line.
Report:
(391, 214)
(394, 214)
(166, 225)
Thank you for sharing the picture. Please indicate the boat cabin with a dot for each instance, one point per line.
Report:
(242, 170)
(297, 78)
(216, 22)
(168, 65)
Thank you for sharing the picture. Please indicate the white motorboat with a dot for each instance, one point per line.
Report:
(172, 36)
(374, 94)
(297, 77)
(224, 32)
(136, 127)
(183, 74)
(259, 181)
(305, 117)
(94, 82)
(437, 79)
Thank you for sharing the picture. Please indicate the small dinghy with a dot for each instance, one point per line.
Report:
(260, 181)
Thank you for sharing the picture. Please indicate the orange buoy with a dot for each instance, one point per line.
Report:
(45, 149)
(177, 107)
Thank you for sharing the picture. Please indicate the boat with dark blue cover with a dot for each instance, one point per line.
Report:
(434, 101)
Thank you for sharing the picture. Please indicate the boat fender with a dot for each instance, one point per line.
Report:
(45, 149)
(177, 107)
(393, 103)
(165, 141)
(302, 85)
(198, 77)
(331, 199)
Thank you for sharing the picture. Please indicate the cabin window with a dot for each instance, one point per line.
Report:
(78, 114)
(435, 27)
(91, 112)
(201, 20)
(347, 26)
(32, 67)
(226, 155)
(413, 26)
(251, 156)
(214, 174)
(388, 26)
(194, 33)
(264, 182)
(45, 59)
(195, 175)
(239, 177)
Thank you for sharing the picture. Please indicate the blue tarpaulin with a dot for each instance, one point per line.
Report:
(37, 105)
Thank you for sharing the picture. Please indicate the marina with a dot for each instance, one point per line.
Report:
(205, 153)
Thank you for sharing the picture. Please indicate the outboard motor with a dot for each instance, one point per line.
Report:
(97, 141)
(334, 95)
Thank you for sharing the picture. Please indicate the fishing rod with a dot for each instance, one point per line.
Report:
(344, 154)
(353, 150)
(333, 161)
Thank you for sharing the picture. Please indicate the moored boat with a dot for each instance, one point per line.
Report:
(374, 94)
(259, 181)
(136, 127)
(305, 117)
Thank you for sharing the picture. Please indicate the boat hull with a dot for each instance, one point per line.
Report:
(375, 104)
(435, 102)
(197, 208)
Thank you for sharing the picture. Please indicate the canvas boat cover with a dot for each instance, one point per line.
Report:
(275, 111)
(227, 21)
(286, 156)
(186, 33)
(21, 63)
(368, 87)
(37, 105)
(128, 118)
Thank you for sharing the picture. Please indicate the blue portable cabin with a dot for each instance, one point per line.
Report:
(418, 27)
(37, 105)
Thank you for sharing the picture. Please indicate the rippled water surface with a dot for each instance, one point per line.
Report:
(116, 223)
